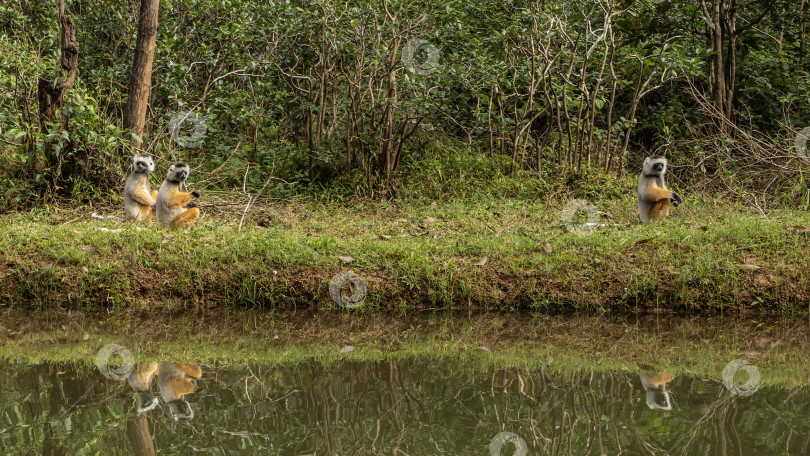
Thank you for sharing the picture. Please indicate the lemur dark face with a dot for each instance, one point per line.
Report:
(655, 165)
(178, 172)
(143, 163)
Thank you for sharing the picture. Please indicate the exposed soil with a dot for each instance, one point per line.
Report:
(496, 290)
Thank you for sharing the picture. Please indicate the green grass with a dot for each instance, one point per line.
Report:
(689, 262)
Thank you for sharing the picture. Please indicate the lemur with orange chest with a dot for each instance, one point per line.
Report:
(175, 381)
(175, 209)
(139, 198)
(653, 197)
(141, 382)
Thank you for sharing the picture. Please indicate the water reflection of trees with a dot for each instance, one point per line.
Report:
(396, 408)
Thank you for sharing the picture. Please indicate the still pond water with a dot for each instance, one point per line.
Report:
(409, 408)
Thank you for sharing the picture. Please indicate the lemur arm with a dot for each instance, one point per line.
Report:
(143, 197)
(179, 200)
(182, 199)
(655, 193)
(191, 369)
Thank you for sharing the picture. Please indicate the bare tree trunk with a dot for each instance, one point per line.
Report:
(388, 121)
(489, 122)
(731, 72)
(388, 115)
(608, 31)
(802, 28)
(608, 144)
(140, 77)
(51, 94)
(723, 34)
(139, 436)
(523, 124)
(718, 82)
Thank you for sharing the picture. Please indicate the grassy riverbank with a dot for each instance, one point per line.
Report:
(502, 254)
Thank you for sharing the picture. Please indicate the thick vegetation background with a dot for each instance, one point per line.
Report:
(342, 98)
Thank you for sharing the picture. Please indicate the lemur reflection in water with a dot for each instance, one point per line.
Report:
(656, 387)
(175, 380)
(141, 382)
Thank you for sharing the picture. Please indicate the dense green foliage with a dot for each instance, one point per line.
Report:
(343, 95)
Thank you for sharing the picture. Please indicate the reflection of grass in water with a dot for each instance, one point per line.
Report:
(684, 347)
